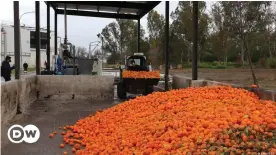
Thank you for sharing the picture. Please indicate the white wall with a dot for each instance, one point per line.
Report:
(43, 57)
(25, 42)
(30, 58)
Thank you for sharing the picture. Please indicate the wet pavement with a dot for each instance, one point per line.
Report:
(48, 115)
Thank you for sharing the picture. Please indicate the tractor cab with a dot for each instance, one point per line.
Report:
(137, 62)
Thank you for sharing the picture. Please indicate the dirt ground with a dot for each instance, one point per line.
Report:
(266, 77)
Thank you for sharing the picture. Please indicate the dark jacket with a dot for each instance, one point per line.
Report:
(6, 69)
(25, 65)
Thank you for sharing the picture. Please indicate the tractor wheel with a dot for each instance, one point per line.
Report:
(148, 90)
(121, 92)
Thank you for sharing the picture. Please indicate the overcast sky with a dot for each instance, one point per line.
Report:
(81, 30)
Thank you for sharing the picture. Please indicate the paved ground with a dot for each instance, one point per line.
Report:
(48, 115)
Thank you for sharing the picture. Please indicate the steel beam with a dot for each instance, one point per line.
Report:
(48, 37)
(167, 17)
(119, 4)
(16, 38)
(138, 36)
(56, 44)
(98, 14)
(53, 5)
(74, 60)
(195, 41)
(37, 27)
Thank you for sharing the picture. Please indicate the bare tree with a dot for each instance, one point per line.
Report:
(82, 52)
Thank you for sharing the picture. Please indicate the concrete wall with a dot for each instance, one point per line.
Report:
(28, 90)
(75, 87)
(180, 82)
(9, 100)
(18, 95)
(184, 82)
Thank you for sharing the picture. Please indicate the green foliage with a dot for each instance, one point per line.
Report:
(211, 65)
(219, 67)
(270, 63)
(230, 35)
(205, 65)
(114, 58)
(215, 63)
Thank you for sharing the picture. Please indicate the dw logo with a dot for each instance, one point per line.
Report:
(18, 134)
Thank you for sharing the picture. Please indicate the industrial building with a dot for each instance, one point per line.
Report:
(28, 44)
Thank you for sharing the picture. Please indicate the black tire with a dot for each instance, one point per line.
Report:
(148, 90)
(121, 92)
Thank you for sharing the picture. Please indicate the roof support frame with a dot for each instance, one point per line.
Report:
(119, 4)
(98, 8)
(51, 4)
(98, 14)
(118, 11)
(151, 5)
(37, 36)
(195, 42)
(16, 39)
(167, 30)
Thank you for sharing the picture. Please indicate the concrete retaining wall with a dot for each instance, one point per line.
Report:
(9, 100)
(179, 82)
(18, 95)
(75, 87)
(27, 87)
(184, 82)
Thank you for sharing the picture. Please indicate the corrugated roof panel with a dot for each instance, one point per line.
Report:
(128, 11)
(109, 9)
(68, 6)
(87, 7)
(137, 2)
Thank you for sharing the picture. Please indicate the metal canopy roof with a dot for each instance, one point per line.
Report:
(105, 9)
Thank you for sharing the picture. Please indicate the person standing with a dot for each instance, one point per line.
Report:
(25, 66)
(45, 64)
(6, 69)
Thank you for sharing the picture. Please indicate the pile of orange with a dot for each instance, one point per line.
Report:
(141, 74)
(206, 120)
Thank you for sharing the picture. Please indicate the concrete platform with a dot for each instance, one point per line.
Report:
(48, 115)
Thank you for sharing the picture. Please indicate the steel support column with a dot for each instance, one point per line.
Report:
(56, 33)
(65, 26)
(195, 41)
(74, 60)
(138, 36)
(37, 36)
(48, 37)
(16, 38)
(167, 17)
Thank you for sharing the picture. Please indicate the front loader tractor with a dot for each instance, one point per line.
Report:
(136, 63)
